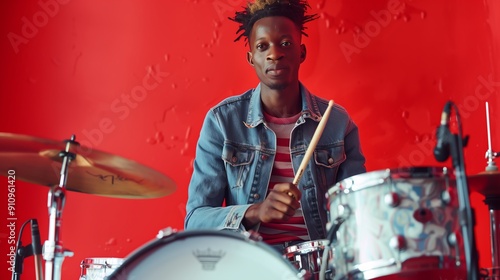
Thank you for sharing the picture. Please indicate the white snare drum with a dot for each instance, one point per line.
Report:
(400, 222)
(308, 256)
(206, 254)
(98, 268)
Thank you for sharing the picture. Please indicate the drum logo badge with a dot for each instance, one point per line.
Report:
(209, 258)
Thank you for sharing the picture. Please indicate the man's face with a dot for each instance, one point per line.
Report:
(276, 51)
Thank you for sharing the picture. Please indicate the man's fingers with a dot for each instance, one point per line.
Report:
(273, 213)
(286, 198)
(288, 189)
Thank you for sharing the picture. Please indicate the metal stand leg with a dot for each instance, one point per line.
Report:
(53, 251)
(493, 202)
(495, 250)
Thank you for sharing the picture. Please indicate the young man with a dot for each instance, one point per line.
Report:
(251, 145)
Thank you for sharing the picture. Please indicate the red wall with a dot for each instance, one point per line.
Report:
(77, 67)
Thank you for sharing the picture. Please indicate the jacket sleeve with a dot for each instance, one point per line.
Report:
(208, 186)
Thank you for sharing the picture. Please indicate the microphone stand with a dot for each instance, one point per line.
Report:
(37, 249)
(22, 252)
(465, 211)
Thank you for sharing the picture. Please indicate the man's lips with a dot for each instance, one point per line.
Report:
(276, 70)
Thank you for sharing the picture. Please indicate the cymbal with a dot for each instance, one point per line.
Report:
(486, 183)
(37, 161)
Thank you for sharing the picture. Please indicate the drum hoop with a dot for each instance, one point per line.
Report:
(377, 177)
(136, 255)
(101, 261)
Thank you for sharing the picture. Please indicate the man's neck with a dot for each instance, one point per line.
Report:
(281, 103)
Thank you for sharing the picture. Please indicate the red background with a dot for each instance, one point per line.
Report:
(67, 64)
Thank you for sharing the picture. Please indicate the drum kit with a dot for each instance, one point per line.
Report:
(385, 224)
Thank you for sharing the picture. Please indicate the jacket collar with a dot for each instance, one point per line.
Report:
(255, 114)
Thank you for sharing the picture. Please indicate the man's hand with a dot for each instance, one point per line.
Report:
(280, 204)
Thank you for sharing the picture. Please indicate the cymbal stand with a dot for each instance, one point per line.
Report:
(53, 252)
(490, 155)
(493, 202)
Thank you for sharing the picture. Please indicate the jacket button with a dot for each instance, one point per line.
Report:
(264, 157)
(256, 196)
(330, 160)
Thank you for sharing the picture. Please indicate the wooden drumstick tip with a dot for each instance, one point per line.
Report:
(330, 103)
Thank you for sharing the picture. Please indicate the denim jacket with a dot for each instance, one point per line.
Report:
(235, 155)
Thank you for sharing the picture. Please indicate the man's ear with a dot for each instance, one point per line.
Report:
(303, 53)
(250, 58)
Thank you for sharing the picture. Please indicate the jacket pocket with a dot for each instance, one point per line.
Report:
(328, 160)
(238, 160)
(330, 157)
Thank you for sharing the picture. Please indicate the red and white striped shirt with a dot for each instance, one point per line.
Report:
(294, 229)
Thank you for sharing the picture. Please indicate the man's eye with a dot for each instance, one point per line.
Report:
(286, 44)
(260, 46)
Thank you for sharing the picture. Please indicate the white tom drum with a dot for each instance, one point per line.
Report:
(206, 254)
(397, 223)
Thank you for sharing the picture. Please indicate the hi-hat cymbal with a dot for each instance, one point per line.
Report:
(486, 183)
(37, 161)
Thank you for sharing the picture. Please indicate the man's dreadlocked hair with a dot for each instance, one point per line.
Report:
(292, 9)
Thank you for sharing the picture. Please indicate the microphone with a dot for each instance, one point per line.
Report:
(37, 248)
(442, 149)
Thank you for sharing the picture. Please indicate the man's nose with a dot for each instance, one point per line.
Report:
(275, 53)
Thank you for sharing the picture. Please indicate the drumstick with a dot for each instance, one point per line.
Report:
(312, 145)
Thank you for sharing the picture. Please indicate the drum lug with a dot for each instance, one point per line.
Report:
(165, 232)
(348, 254)
(344, 211)
(453, 241)
(304, 274)
(446, 197)
(392, 199)
(398, 242)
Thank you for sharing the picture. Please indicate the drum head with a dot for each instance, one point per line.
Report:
(206, 255)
